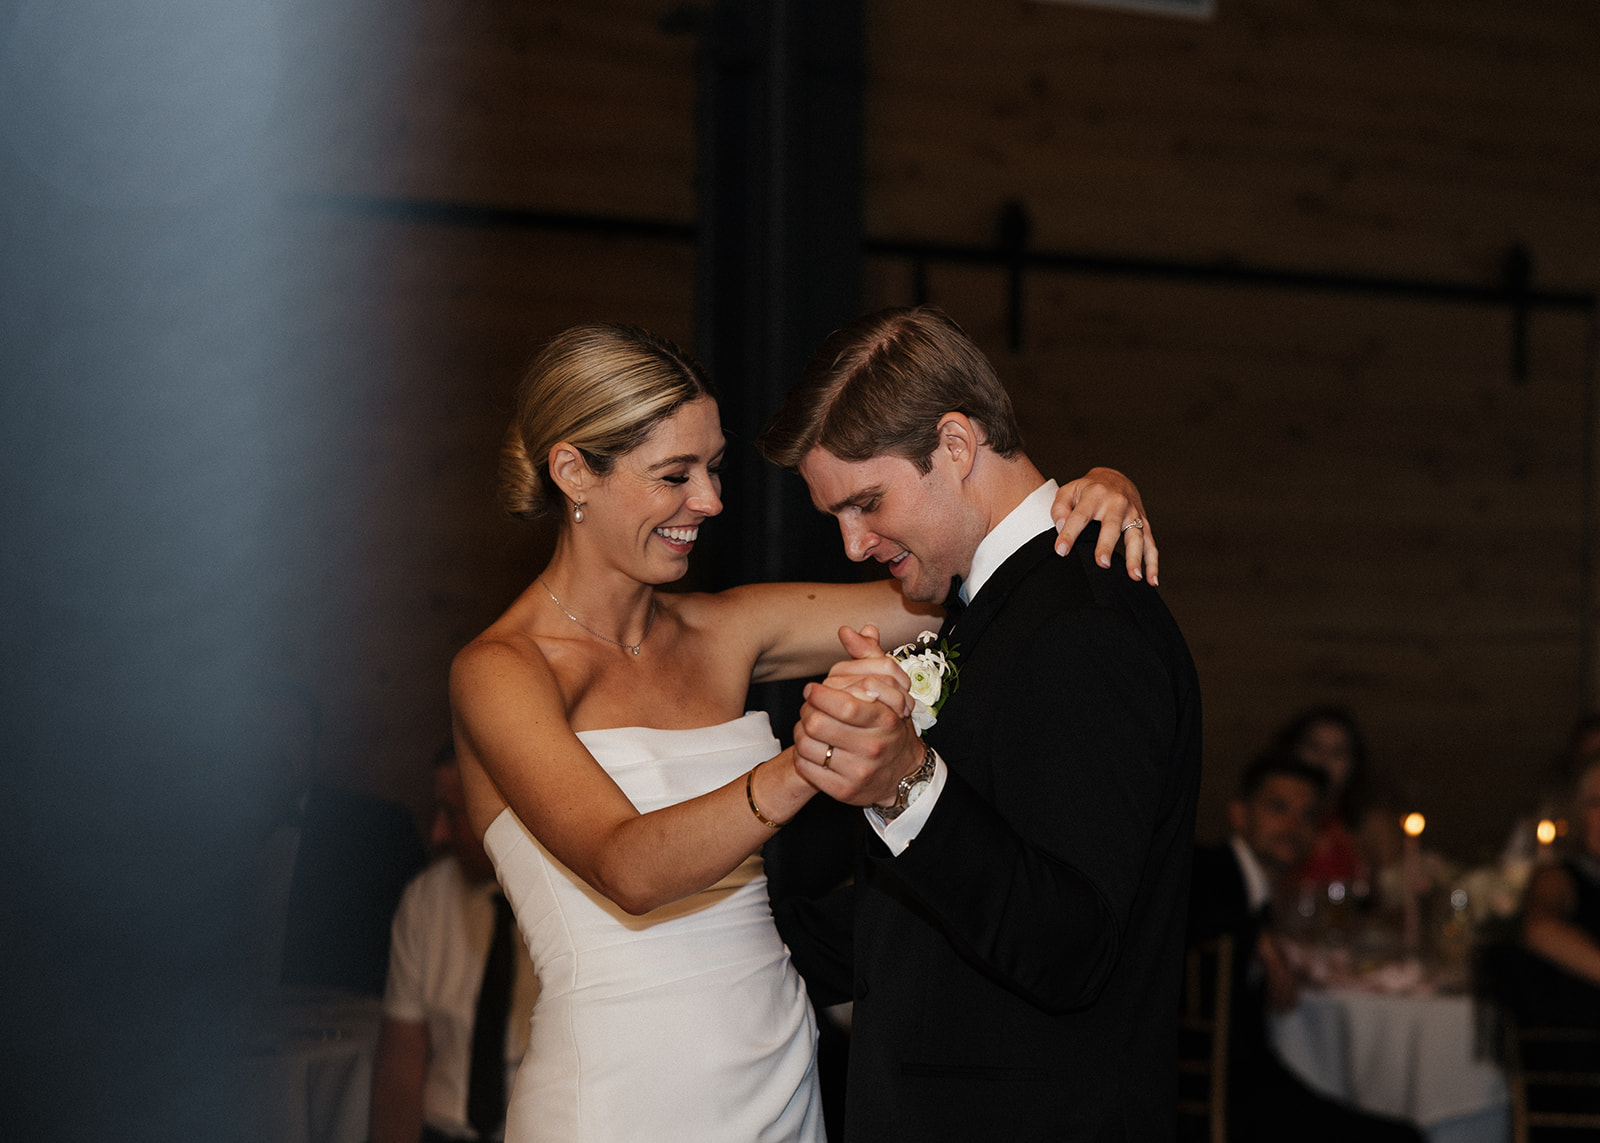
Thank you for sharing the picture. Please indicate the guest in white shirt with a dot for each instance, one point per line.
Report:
(424, 1082)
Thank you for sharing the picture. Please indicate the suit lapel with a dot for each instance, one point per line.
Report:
(965, 631)
(954, 608)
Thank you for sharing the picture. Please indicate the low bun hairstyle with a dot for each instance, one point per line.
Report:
(602, 387)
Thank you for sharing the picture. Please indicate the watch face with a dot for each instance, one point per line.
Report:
(912, 787)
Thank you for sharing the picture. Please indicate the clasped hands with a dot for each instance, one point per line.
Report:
(855, 740)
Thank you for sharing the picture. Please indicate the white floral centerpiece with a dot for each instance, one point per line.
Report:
(933, 676)
(1494, 892)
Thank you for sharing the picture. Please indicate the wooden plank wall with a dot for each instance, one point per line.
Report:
(578, 108)
(1355, 501)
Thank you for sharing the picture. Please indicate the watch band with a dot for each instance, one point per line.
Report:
(902, 794)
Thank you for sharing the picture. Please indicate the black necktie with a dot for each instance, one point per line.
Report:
(486, 1083)
(954, 605)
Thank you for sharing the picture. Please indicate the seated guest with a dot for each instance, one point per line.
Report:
(1329, 739)
(452, 1036)
(1561, 924)
(1274, 820)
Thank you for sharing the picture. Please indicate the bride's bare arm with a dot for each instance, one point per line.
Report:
(516, 748)
(795, 626)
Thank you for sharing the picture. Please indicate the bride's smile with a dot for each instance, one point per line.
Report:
(661, 492)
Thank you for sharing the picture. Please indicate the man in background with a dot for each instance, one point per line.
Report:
(459, 993)
(1274, 819)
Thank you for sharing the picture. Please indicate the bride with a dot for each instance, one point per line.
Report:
(617, 783)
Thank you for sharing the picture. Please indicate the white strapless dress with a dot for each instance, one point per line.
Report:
(688, 1023)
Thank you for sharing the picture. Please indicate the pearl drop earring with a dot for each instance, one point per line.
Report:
(577, 513)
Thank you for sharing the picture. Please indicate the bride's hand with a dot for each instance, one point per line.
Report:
(1106, 495)
(852, 749)
(851, 739)
(869, 673)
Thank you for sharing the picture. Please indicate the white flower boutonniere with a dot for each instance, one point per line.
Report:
(933, 676)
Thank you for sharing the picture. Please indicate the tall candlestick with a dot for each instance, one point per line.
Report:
(1411, 872)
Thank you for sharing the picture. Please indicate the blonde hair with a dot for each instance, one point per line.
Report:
(601, 387)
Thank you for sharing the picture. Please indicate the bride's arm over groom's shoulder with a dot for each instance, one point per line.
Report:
(1106, 495)
(793, 628)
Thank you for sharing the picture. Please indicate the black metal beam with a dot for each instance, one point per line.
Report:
(1229, 274)
(440, 212)
(921, 252)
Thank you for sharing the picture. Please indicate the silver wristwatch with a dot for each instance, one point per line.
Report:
(911, 787)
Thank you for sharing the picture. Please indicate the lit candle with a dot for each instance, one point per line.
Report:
(1411, 872)
(1546, 833)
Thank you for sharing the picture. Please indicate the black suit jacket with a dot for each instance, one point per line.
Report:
(1219, 904)
(1015, 971)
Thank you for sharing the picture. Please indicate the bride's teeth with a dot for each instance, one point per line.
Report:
(681, 535)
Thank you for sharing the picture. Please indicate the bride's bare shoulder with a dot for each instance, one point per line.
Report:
(500, 653)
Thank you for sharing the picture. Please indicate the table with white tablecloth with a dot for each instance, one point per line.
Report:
(310, 1070)
(1416, 1057)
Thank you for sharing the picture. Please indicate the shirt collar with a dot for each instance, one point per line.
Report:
(1021, 524)
(1257, 885)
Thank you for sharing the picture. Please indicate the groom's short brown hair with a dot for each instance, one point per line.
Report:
(878, 386)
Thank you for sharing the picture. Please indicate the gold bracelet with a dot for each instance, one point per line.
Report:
(750, 796)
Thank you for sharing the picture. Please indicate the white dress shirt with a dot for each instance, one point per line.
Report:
(1257, 885)
(439, 943)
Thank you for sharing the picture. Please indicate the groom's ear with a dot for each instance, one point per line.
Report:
(959, 441)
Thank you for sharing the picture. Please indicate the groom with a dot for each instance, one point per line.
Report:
(1014, 935)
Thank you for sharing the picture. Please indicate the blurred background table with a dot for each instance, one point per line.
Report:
(1409, 1053)
(310, 1070)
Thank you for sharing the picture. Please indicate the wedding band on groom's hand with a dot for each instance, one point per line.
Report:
(1134, 523)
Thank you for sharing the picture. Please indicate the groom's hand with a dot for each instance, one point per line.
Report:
(861, 711)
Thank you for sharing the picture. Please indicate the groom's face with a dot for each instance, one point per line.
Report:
(890, 512)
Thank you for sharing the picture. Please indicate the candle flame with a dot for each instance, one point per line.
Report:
(1414, 824)
(1546, 832)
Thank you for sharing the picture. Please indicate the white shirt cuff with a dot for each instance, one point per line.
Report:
(898, 834)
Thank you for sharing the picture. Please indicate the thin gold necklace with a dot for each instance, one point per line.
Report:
(634, 647)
